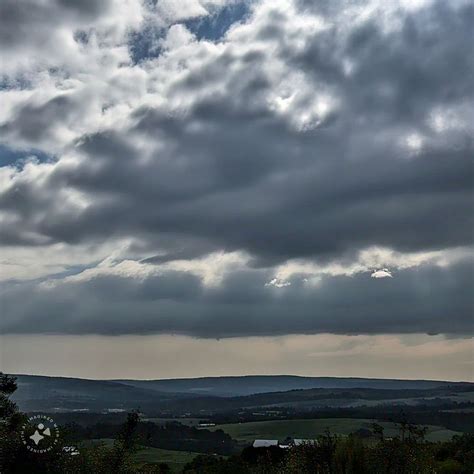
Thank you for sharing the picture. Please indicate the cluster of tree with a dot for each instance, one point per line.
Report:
(441, 415)
(315, 397)
(171, 435)
(408, 454)
(15, 457)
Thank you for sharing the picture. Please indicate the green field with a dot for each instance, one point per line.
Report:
(146, 454)
(280, 429)
(175, 459)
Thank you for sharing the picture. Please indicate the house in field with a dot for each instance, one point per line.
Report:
(264, 443)
(285, 444)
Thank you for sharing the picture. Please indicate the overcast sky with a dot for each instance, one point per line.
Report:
(221, 181)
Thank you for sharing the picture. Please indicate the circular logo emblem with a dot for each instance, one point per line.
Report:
(39, 434)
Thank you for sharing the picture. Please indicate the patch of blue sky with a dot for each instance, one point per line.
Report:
(69, 270)
(214, 26)
(145, 44)
(18, 157)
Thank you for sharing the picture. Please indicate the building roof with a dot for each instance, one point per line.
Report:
(264, 443)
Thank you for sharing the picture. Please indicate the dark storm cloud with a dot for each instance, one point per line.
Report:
(322, 206)
(232, 172)
(214, 26)
(429, 299)
(282, 141)
(37, 123)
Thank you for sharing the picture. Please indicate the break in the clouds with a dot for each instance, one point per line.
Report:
(235, 169)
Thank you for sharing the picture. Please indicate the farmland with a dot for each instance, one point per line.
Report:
(311, 428)
(176, 460)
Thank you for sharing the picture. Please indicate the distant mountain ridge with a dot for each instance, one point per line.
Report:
(43, 393)
(229, 386)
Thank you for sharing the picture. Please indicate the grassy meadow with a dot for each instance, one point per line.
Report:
(280, 429)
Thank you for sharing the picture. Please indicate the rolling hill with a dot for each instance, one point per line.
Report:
(224, 393)
(251, 384)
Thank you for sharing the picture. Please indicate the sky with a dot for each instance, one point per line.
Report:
(218, 187)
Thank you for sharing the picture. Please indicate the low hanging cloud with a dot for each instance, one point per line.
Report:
(242, 303)
(287, 138)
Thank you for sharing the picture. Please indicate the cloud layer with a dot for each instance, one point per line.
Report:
(139, 301)
(236, 169)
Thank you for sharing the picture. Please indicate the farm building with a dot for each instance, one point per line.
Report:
(264, 443)
(287, 443)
